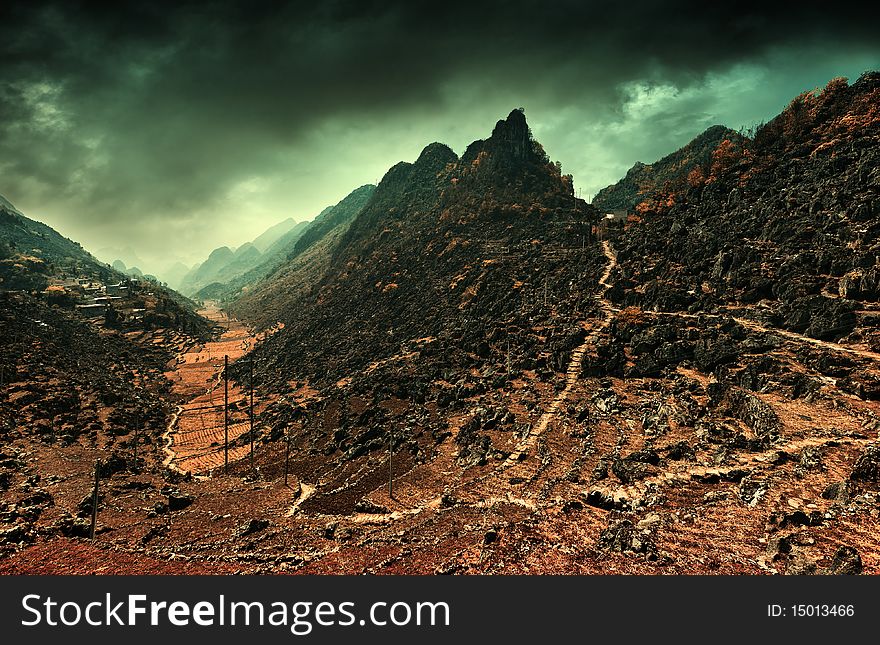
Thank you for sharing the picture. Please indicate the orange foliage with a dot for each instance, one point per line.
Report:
(696, 178)
(630, 315)
(723, 157)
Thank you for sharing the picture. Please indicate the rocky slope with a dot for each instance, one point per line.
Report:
(543, 403)
(648, 182)
(785, 228)
(261, 282)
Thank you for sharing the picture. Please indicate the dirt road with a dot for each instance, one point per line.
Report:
(195, 436)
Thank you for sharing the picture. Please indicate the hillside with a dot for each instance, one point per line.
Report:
(692, 162)
(457, 377)
(785, 228)
(30, 251)
(263, 290)
(36, 259)
(435, 241)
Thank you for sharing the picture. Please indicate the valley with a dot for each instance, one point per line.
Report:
(467, 369)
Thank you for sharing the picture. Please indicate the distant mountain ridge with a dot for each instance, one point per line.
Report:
(329, 223)
(670, 173)
(268, 237)
(225, 265)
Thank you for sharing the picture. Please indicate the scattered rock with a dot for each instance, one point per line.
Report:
(366, 506)
(800, 565)
(846, 562)
(867, 466)
(838, 491)
(253, 526)
(179, 501)
(622, 537)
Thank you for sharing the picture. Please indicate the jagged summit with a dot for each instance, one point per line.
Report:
(511, 144)
(513, 135)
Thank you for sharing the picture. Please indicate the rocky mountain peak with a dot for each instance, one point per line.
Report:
(513, 135)
(435, 156)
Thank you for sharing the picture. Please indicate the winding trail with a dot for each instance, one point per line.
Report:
(195, 435)
(835, 347)
(756, 326)
(528, 441)
(168, 441)
(573, 371)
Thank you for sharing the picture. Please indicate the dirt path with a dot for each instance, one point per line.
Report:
(835, 347)
(573, 371)
(195, 436)
(756, 326)
(572, 376)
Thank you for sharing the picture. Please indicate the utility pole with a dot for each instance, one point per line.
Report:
(287, 457)
(95, 500)
(252, 413)
(225, 414)
(137, 427)
(545, 291)
(508, 356)
(390, 469)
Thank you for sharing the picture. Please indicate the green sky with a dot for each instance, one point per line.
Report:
(177, 132)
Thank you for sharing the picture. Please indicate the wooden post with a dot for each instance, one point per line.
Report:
(390, 464)
(137, 428)
(252, 413)
(225, 414)
(95, 500)
(287, 457)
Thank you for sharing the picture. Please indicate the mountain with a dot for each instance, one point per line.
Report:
(328, 224)
(207, 271)
(265, 239)
(174, 274)
(126, 255)
(454, 270)
(642, 182)
(785, 227)
(30, 251)
(424, 247)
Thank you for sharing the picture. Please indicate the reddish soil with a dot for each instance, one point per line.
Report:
(534, 510)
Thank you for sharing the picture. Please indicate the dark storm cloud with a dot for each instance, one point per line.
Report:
(151, 116)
